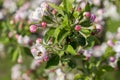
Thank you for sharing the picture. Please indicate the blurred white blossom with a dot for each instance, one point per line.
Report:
(23, 40)
(16, 72)
(117, 47)
(60, 74)
(10, 5)
(111, 11)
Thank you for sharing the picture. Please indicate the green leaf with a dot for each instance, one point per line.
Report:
(72, 63)
(48, 19)
(27, 51)
(76, 14)
(56, 33)
(15, 54)
(79, 77)
(67, 5)
(65, 22)
(106, 68)
(81, 41)
(85, 22)
(46, 38)
(58, 9)
(102, 70)
(86, 32)
(118, 63)
(62, 35)
(87, 7)
(90, 41)
(49, 33)
(53, 61)
(74, 44)
(4, 40)
(108, 52)
(70, 50)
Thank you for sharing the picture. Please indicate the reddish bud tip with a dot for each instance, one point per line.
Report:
(77, 27)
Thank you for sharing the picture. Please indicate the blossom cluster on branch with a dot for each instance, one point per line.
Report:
(65, 38)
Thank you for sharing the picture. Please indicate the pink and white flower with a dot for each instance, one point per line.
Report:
(39, 52)
(38, 13)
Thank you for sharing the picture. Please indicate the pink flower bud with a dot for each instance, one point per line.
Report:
(87, 14)
(38, 40)
(112, 59)
(92, 17)
(43, 24)
(77, 27)
(33, 28)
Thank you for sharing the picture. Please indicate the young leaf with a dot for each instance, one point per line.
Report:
(62, 35)
(87, 7)
(15, 54)
(67, 5)
(49, 33)
(90, 41)
(70, 50)
(56, 33)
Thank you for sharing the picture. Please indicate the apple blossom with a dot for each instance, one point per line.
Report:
(39, 52)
